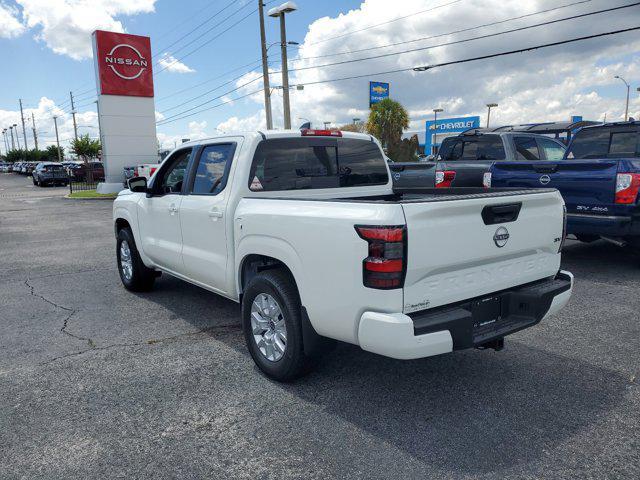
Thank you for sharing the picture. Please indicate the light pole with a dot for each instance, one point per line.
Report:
(13, 144)
(434, 141)
(326, 125)
(55, 123)
(489, 107)
(280, 11)
(4, 136)
(626, 108)
(15, 127)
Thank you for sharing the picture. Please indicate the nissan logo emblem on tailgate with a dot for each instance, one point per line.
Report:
(501, 237)
(544, 179)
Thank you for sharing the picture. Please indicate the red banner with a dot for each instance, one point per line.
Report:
(123, 63)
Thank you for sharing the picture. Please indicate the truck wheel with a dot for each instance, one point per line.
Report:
(135, 275)
(271, 321)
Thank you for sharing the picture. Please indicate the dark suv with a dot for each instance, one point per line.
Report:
(48, 173)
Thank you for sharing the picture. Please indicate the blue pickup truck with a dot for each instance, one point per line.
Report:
(599, 178)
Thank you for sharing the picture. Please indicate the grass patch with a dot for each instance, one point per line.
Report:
(91, 194)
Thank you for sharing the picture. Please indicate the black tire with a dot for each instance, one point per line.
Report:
(142, 278)
(278, 284)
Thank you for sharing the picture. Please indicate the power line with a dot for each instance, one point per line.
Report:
(472, 59)
(163, 122)
(455, 42)
(455, 32)
(387, 22)
(212, 99)
(180, 116)
(197, 27)
(211, 80)
(176, 60)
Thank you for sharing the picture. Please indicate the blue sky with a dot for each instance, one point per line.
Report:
(45, 45)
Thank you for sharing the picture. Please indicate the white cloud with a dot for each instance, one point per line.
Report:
(65, 26)
(10, 26)
(44, 112)
(172, 64)
(543, 85)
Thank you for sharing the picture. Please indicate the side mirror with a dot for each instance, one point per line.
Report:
(137, 184)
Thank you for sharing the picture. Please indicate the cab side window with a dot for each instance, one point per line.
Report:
(172, 178)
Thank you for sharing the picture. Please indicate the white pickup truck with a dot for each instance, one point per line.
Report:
(303, 228)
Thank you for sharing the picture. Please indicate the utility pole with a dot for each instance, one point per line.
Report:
(73, 112)
(4, 136)
(35, 132)
(24, 130)
(55, 123)
(265, 68)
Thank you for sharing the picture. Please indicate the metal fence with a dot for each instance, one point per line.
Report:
(82, 185)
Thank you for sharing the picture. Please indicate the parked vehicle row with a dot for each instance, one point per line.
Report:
(599, 178)
(50, 173)
(305, 231)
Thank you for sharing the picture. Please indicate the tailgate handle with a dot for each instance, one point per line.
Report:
(545, 168)
(494, 214)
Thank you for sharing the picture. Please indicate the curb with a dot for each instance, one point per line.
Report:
(89, 198)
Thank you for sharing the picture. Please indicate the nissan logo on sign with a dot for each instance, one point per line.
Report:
(126, 61)
(123, 62)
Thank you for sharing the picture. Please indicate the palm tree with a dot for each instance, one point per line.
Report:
(387, 120)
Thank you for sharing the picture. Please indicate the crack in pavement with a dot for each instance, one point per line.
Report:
(219, 329)
(65, 322)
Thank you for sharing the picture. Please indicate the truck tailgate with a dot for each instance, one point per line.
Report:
(456, 252)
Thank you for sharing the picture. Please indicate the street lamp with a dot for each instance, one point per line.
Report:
(15, 127)
(489, 107)
(275, 12)
(626, 108)
(434, 140)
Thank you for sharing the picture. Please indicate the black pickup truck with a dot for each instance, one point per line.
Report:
(466, 159)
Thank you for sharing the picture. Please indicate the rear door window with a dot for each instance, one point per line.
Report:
(526, 148)
(213, 169)
(313, 163)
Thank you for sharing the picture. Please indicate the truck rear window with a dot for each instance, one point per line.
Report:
(312, 163)
(604, 142)
(484, 147)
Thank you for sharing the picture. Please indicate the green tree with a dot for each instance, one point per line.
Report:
(15, 155)
(87, 149)
(387, 120)
(52, 153)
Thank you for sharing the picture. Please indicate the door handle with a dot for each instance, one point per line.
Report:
(215, 213)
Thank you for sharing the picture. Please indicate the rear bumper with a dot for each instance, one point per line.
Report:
(466, 324)
(604, 225)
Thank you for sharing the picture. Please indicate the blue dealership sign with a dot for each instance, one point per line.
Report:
(378, 91)
(445, 127)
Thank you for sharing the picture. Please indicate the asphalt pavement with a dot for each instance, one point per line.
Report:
(97, 382)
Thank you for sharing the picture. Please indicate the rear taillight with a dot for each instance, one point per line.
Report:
(385, 266)
(564, 228)
(321, 133)
(486, 180)
(444, 178)
(135, 172)
(627, 186)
